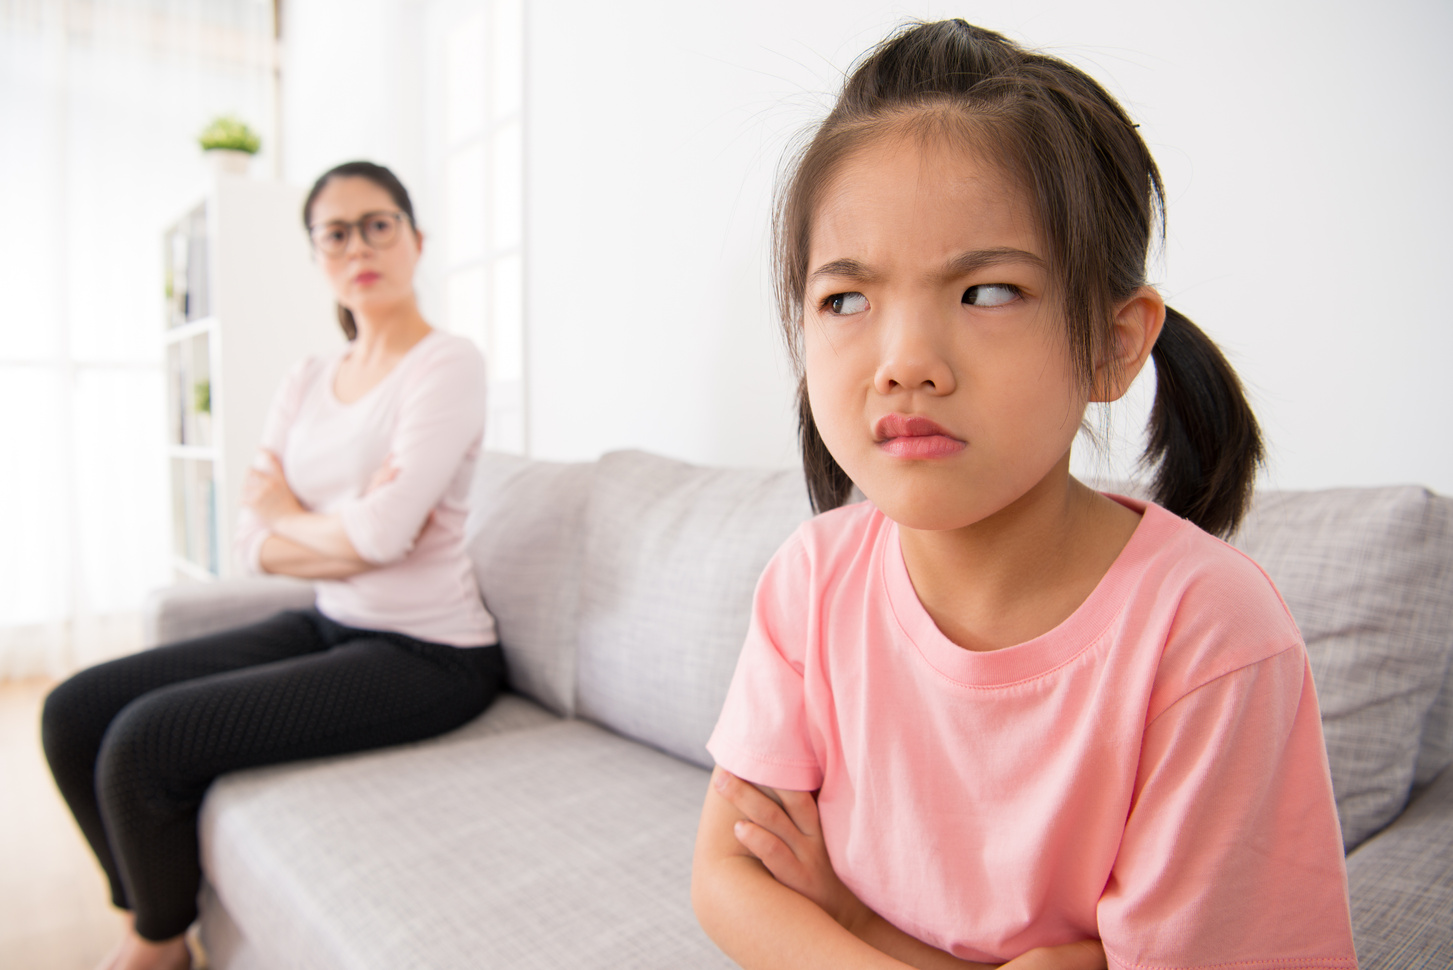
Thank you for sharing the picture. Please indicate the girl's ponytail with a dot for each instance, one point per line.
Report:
(1204, 440)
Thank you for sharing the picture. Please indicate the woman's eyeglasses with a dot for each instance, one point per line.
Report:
(379, 230)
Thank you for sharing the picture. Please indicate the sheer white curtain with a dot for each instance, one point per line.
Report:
(100, 103)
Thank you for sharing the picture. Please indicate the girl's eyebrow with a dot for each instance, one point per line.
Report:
(965, 263)
(843, 269)
(960, 265)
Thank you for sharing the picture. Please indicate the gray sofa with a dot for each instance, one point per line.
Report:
(556, 830)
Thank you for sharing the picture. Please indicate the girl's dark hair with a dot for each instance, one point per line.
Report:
(1097, 197)
(379, 176)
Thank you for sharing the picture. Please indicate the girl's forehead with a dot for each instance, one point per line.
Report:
(906, 195)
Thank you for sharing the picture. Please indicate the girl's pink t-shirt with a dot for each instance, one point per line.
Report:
(428, 414)
(1151, 772)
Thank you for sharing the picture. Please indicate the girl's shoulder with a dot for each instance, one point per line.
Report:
(843, 533)
(827, 549)
(1208, 569)
(1219, 608)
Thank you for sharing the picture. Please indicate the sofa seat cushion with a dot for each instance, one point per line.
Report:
(520, 841)
(1396, 920)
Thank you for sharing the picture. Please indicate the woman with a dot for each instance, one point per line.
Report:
(361, 485)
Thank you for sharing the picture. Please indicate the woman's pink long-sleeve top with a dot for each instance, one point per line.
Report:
(428, 415)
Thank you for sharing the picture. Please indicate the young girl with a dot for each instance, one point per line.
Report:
(1042, 725)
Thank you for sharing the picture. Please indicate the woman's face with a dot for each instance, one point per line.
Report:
(366, 279)
(935, 353)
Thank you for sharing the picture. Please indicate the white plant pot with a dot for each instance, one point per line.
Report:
(228, 161)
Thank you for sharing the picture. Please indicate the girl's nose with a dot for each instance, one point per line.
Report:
(913, 357)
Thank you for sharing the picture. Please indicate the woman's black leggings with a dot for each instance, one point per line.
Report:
(134, 743)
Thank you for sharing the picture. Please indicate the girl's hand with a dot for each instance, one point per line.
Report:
(1084, 955)
(265, 490)
(787, 839)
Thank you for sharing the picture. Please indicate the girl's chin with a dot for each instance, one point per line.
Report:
(923, 510)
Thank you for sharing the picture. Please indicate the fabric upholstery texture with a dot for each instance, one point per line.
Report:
(1366, 573)
(622, 590)
(524, 537)
(673, 553)
(1397, 922)
(544, 846)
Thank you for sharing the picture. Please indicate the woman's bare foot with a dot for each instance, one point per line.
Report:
(135, 952)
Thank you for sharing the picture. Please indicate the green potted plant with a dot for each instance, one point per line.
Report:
(229, 144)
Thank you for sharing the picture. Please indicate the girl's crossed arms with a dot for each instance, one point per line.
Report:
(775, 876)
(1044, 725)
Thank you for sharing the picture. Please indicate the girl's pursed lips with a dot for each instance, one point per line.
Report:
(914, 436)
(907, 426)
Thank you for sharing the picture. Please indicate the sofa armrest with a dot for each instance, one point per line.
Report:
(194, 609)
(1401, 883)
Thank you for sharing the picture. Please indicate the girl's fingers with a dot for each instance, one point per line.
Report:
(752, 802)
(801, 808)
(771, 851)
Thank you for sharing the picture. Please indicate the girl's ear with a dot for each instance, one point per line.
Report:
(1133, 333)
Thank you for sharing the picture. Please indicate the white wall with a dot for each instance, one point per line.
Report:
(1304, 146)
(353, 88)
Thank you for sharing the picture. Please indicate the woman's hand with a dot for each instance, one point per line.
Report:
(787, 839)
(265, 490)
(386, 473)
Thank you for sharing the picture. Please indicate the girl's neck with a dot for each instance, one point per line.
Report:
(1023, 571)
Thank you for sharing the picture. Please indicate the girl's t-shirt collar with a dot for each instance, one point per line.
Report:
(1045, 653)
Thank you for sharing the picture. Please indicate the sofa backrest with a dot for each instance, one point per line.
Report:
(623, 592)
(526, 523)
(1368, 575)
(672, 556)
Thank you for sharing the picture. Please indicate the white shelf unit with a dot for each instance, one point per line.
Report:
(244, 303)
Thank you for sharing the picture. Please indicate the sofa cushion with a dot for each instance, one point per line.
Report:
(673, 553)
(1366, 574)
(1396, 920)
(524, 537)
(555, 844)
(1435, 754)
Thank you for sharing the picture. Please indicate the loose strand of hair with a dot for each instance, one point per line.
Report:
(828, 486)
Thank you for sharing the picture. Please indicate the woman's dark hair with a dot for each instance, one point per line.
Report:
(379, 176)
(1097, 197)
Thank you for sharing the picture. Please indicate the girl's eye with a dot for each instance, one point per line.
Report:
(990, 294)
(846, 304)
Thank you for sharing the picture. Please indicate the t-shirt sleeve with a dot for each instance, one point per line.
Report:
(440, 424)
(287, 400)
(1232, 854)
(763, 733)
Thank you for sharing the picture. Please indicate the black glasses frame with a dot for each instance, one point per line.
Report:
(361, 225)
